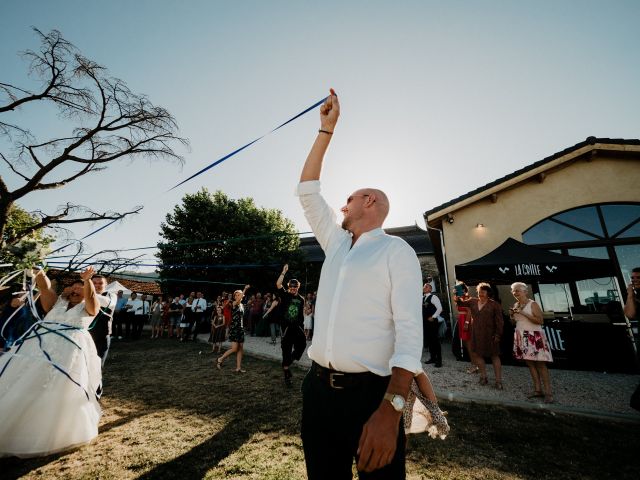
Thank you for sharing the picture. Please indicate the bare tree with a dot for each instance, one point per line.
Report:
(112, 123)
(105, 262)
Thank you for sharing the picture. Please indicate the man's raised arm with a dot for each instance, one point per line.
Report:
(329, 113)
(281, 277)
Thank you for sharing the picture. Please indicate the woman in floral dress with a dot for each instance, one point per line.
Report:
(529, 341)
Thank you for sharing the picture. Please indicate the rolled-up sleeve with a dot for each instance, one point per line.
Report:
(406, 294)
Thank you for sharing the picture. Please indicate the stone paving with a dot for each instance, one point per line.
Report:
(588, 393)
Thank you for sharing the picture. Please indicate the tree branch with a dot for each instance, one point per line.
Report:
(12, 167)
(113, 123)
(60, 219)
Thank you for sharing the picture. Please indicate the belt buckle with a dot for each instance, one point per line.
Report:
(331, 378)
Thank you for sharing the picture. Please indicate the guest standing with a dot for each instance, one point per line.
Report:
(187, 319)
(431, 309)
(130, 309)
(529, 341)
(465, 324)
(632, 304)
(272, 314)
(255, 313)
(236, 332)
(119, 314)
(217, 330)
(101, 327)
(199, 308)
(486, 332)
(308, 317)
(156, 318)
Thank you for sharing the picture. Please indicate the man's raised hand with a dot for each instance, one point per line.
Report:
(87, 274)
(329, 112)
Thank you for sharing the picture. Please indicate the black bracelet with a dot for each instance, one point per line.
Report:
(325, 131)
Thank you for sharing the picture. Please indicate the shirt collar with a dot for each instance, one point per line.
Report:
(376, 232)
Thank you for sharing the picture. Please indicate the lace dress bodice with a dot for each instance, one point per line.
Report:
(76, 316)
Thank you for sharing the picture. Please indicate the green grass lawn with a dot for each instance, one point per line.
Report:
(168, 413)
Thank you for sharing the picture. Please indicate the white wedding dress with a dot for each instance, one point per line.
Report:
(48, 386)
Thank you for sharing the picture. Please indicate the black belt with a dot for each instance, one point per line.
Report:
(342, 380)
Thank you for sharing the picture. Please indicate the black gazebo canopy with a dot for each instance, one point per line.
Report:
(514, 261)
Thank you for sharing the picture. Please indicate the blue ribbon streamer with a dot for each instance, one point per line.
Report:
(87, 236)
(217, 162)
(167, 266)
(33, 333)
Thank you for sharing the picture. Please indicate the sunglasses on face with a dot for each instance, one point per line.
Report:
(354, 196)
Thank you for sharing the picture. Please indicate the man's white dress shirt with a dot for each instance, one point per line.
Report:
(199, 302)
(368, 313)
(138, 307)
(435, 301)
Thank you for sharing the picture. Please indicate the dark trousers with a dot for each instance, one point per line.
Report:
(138, 323)
(118, 320)
(293, 344)
(432, 339)
(254, 319)
(99, 331)
(128, 324)
(332, 422)
(198, 320)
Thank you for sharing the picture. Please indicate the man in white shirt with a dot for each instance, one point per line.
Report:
(431, 310)
(199, 306)
(367, 341)
(130, 312)
(140, 309)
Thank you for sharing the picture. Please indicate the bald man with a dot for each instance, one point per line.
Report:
(367, 340)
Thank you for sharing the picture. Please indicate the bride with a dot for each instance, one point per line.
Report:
(49, 379)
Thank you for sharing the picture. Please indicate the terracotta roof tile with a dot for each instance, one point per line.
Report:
(64, 278)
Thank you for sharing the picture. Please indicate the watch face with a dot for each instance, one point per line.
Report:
(397, 402)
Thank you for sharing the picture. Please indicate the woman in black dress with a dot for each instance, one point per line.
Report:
(236, 331)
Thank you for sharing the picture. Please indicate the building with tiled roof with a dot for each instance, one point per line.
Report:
(582, 201)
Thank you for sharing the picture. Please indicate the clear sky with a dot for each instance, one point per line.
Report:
(438, 97)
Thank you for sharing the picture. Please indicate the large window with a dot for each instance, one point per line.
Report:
(609, 231)
(596, 294)
(596, 222)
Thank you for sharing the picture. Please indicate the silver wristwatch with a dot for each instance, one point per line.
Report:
(397, 401)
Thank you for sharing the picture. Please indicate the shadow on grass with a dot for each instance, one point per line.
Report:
(170, 414)
(17, 467)
(196, 462)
